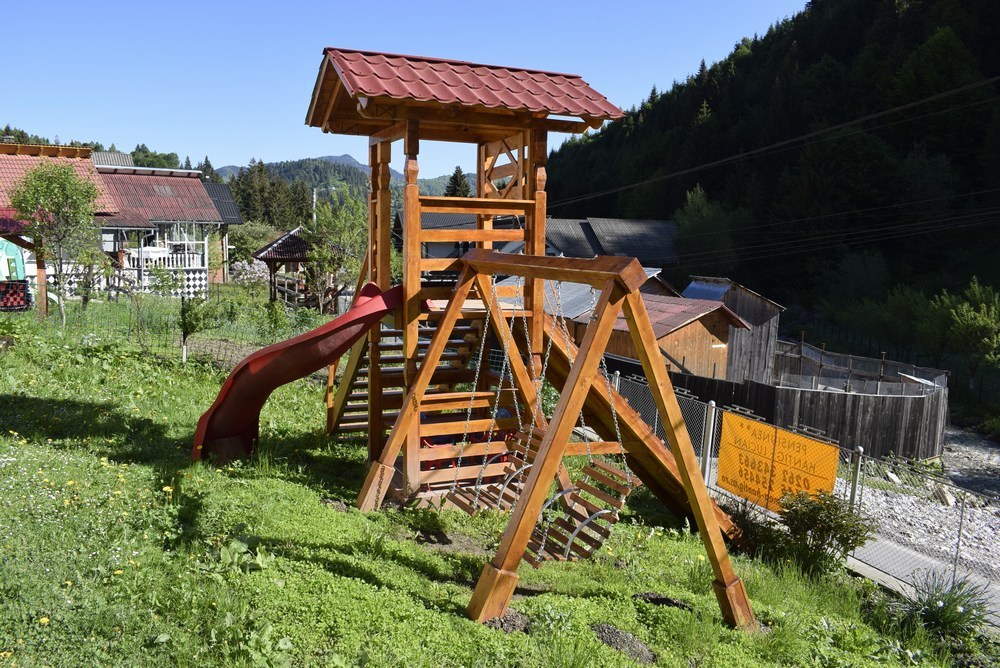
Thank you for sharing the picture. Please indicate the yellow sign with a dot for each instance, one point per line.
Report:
(760, 462)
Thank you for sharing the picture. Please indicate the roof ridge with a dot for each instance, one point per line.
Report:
(451, 61)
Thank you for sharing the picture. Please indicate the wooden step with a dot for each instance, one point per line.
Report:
(428, 332)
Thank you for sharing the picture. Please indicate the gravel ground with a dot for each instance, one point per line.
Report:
(971, 461)
(926, 516)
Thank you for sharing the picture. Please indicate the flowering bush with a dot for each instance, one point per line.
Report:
(249, 274)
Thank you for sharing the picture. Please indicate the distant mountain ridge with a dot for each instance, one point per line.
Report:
(329, 170)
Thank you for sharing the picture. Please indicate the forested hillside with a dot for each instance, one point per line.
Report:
(853, 148)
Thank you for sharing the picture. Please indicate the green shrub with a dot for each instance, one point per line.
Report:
(822, 529)
(949, 609)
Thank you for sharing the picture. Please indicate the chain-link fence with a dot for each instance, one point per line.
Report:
(925, 522)
(233, 327)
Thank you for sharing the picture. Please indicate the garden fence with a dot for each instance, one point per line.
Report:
(926, 523)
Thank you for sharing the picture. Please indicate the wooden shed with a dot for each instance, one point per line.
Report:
(751, 351)
(693, 334)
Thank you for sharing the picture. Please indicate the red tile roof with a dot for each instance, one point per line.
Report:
(668, 314)
(14, 167)
(155, 197)
(371, 74)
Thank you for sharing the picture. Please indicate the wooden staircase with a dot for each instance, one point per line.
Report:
(348, 406)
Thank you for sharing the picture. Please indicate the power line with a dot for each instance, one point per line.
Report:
(823, 241)
(782, 144)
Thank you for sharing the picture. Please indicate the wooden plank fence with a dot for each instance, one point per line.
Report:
(911, 427)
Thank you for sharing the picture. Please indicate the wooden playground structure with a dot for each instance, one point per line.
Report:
(445, 425)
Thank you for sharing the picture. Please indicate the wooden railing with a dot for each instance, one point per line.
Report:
(171, 261)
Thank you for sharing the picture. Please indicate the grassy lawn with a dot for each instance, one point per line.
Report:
(116, 549)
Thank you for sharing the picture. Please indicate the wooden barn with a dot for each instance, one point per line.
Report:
(693, 334)
(751, 350)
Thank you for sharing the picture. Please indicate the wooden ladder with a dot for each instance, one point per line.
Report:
(347, 406)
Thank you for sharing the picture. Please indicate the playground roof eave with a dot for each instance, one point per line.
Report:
(365, 92)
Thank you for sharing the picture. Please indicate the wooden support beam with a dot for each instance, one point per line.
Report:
(484, 206)
(392, 133)
(729, 589)
(376, 484)
(626, 271)
(325, 123)
(499, 577)
(485, 235)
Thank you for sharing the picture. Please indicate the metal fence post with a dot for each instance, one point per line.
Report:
(618, 381)
(855, 474)
(958, 543)
(706, 440)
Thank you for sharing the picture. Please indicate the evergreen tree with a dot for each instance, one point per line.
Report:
(187, 162)
(208, 172)
(458, 185)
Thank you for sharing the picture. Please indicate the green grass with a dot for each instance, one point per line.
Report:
(115, 548)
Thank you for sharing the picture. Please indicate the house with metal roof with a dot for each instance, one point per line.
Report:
(751, 351)
(149, 217)
(692, 334)
(163, 221)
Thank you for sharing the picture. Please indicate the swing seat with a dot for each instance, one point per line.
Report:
(589, 511)
(500, 492)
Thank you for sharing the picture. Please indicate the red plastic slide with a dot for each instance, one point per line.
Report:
(229, 429)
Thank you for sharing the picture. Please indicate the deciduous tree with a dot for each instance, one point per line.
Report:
(58, 206)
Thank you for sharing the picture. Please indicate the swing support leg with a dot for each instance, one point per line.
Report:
(499, 578)
(729, 588)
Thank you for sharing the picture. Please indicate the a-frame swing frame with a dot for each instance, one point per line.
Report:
(619, 280)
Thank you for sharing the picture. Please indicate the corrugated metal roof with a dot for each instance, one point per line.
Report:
(112, 159)
(715, 287)
(222, 197)
(708, 288)
(289, 247)
(159, 198)
(572, 300)
(422, 79)
(13, 168)
(570, 238)
(652, 242)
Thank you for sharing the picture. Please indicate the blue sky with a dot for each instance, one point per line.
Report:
(232, 80)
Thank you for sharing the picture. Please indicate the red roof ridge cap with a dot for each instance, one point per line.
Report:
(450, 61)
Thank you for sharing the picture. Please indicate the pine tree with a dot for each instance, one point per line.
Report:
(458, 185)
(187, 162)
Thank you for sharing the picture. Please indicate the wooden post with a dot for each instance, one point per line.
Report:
(729, 589)
(42, 281)
(376, 427)
(383, 243)
(535, 237)
(499, 577)
(411, 291)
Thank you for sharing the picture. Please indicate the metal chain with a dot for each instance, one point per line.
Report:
(472, 397)
(504, 372)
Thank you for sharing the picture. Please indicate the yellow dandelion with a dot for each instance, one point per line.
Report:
(66, 502)
(70, 483)
(118, 571)
(44, 621)
(68, 583)
(168, 489)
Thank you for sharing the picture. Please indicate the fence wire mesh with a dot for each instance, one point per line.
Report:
(926, 523)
